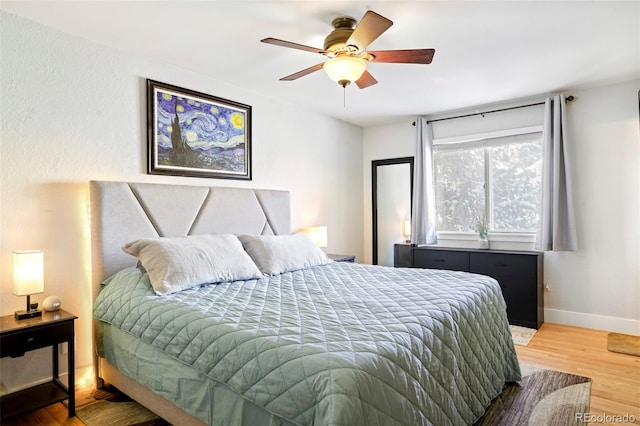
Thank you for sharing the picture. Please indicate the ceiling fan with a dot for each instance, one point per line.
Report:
(346, 48)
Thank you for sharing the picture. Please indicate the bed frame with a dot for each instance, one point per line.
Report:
(125, 211)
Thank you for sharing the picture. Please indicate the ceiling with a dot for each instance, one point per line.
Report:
(486, 51)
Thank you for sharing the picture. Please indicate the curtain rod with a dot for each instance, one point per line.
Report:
(567, 99)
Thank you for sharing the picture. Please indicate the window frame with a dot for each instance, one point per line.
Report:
(515, 236)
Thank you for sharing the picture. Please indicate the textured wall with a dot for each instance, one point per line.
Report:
(73, 111)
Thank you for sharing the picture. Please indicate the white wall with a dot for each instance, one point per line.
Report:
(73, 111)
(602, 279)
(381, 142)
(599, 285)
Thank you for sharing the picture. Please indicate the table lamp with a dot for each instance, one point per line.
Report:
(406, 230)
(318, 235)
(28, 279)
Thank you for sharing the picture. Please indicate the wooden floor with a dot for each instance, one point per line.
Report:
(615, 386)
(615, 389)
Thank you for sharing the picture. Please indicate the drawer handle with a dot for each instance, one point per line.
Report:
(503, 265)
(30, 339)
(438, 260)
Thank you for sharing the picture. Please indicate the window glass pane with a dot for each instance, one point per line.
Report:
(459, 188)
(516, 176)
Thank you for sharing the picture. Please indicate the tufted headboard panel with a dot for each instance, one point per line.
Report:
(125, 211)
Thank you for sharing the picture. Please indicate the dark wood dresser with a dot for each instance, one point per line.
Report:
(519, 273)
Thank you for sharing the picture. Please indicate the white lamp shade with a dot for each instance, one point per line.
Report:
(28, 272)
(345, 68)
(318, 235)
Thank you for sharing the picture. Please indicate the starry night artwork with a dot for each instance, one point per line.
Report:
(195, 134)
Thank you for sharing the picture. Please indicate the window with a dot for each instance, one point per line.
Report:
(494, 179)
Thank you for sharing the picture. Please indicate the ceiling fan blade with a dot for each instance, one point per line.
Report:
(366, 80)
(370, 27)
(283, 43)
(302, 73)
(410, 56)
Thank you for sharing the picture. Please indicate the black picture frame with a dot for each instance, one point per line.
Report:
(213, 137)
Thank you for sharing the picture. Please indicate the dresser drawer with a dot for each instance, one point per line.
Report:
(500, 265)
(518, 277)
(18, 342)
(441, 259)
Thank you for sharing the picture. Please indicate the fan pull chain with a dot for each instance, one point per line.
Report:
(344, 97)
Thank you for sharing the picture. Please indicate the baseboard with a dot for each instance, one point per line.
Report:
(596, 322)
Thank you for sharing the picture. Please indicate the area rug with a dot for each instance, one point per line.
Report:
(102, 407)
(522, 335)
(541, 398)
(623, 343)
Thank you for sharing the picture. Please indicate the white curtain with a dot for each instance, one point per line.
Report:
(556, 228)
(423, 208)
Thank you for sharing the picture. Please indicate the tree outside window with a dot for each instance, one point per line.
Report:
(494, 181)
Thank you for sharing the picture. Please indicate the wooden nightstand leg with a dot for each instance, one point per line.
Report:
(56, 371)
(72, 377)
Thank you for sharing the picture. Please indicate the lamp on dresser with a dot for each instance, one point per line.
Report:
(28, 279)
(406, 230)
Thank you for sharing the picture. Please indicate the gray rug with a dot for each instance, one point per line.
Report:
(542, 398)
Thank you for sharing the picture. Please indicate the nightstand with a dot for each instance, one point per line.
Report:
(342, 257)
(18, 337)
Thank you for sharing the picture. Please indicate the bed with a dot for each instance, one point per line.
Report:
(330, 343)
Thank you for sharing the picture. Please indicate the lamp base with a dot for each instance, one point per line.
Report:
(20, 315)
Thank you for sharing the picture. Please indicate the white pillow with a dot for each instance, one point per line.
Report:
(175, 264)
(275, 254)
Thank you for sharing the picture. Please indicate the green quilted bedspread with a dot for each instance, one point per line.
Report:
(339, 344)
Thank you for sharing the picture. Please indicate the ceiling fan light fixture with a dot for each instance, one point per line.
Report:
(344, 69)
(346, 51)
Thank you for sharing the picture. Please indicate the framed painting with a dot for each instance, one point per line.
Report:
(195, 134)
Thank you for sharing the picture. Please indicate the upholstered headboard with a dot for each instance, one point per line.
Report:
(125, 211)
